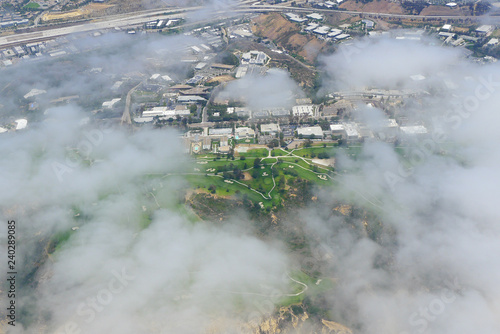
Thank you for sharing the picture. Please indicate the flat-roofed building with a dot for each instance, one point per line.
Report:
(304, 110)
(110, 104)
(334, 32)
(323, 30)
(295, 18)
(310, 132)
(351, 131)
(270, 128)
(485, 29)
(413, 130)
(190, 99)
(315, 16)
(255, 57)
(337, 129)
(220, 131)
(244, 132)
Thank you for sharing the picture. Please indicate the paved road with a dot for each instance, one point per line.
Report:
(139, 18)
(274, 8)
(126, 112)
(109, 23)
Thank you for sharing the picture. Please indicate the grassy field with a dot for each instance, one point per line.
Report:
(222, 188)
(260, 186)
(315, 287)
(246, 141)
(306, 152)
(32, 5)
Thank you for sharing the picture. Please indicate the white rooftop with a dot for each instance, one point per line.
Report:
(334, 32)
(269, 127)
(342, 36)
(311, 130)
(414, 129)
(323, 30)
(351, 131)
(110, 104)
(21, 123)
(303, 110)
(315, 16)
(336, 127)
(220, 131)
(34, 92)
(485, 28)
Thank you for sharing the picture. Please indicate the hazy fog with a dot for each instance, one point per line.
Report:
(432, 268)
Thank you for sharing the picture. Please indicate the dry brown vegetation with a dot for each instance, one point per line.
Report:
(287, 35)
(382, 6)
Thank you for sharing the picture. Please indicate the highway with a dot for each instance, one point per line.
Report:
(277, 8)
(139, 18)
(119, 21)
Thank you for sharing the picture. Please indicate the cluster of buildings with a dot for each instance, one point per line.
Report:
(312, 23)
(456, 36)
(14, 19)
(17, 125)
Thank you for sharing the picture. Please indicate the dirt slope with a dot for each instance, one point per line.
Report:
(382, 6)
(287, 35)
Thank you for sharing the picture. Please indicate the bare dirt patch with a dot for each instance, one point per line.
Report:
(85, 11)
(382, 6)
(441, 10)
(221, 78)
(287, 35)
(247, 176)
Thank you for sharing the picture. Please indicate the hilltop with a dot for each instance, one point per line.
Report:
(287, 35)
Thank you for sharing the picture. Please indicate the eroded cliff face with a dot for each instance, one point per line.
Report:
(293, 319)
(287, 35)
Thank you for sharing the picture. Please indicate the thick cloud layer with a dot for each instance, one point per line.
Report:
(128, 259)
(276, 89)
(432, 210)
(385, 63)
(114, 273)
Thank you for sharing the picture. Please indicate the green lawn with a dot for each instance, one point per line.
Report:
(279, 152)
(302, 173)
(32, 5)
(222, 188)
(306, 152)
(246, 141)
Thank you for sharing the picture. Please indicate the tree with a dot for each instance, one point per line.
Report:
(256, 163)
(281, 182)
(192, 108)
(274, 143)
(308, 143)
